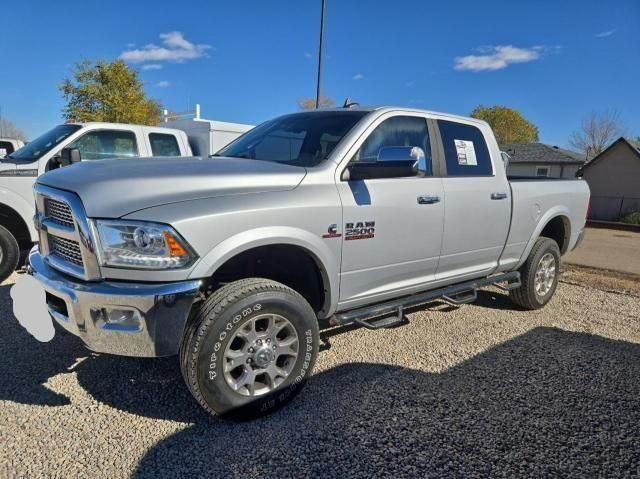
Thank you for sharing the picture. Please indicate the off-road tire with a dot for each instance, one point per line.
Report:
(526, 296)
(213, 324)
(9, 253)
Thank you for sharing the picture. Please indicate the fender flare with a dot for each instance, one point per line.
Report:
(272, 235)
(556, 211)
(22, 207)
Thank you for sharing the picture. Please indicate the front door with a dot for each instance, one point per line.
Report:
(392, 226)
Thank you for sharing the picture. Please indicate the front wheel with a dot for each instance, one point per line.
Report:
(249, 347)
(539, 275)
(9, 253)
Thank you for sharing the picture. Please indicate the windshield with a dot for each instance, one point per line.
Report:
(44, 143)
(301, 139)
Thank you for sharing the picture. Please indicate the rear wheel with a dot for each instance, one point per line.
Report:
(9, 253)
(539, 275)
(249, 347)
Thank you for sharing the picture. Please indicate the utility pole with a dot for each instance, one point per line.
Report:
(320, 56)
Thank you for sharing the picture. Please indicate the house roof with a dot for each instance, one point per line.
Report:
(632, 146)
(541, 154)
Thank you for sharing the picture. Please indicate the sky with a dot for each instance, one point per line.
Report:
(250, 60)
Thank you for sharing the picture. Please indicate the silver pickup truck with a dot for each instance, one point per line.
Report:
(329, 217)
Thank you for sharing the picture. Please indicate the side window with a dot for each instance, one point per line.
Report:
(6, 148)
(465, 150)
(103, 144)
(396, 131)
(164, 144)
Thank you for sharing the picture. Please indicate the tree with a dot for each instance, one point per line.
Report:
(9, 130)
(509, 126)
(310, 103)
(597, 131)
(108, 91)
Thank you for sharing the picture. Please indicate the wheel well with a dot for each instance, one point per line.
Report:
(290, 265)
(559, 230)
(11, 220)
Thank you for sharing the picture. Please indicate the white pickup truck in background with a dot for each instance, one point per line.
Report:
(9, 145)
(70, 143)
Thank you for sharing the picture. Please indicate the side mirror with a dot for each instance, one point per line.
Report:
(69, 156)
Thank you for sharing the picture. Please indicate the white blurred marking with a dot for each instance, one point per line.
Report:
(30, 308)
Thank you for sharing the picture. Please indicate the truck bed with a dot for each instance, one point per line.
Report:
(535, 201)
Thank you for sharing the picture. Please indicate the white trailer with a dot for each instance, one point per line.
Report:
(206, 137)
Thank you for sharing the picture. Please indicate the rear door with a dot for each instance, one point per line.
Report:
(391, 235)
(477, 202)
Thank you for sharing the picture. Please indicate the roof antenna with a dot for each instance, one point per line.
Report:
(348, 103)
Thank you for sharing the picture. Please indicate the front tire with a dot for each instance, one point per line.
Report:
(9, 253)
(249, 347)
(539, 275)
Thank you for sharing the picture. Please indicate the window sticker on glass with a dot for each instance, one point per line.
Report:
(466, 153)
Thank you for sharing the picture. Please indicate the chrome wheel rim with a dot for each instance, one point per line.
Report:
(545, 274)
(260, 355)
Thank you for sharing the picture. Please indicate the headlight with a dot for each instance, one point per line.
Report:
(138, 244)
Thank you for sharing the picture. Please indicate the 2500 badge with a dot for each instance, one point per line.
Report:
(359, 230)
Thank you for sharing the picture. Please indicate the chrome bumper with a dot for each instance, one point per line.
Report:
(159, 311)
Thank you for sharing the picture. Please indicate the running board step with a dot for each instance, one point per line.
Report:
(464, 297)
(385, 322)
(461, 293)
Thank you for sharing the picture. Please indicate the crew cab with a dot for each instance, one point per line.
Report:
(329, 217)
(61, 146)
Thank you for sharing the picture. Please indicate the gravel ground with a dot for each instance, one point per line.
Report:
(476, 391)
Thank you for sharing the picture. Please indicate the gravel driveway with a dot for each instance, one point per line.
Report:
(480, 390)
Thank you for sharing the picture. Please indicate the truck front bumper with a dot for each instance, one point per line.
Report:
(128, 319)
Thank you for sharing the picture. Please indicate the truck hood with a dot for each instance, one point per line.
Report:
(114, 188)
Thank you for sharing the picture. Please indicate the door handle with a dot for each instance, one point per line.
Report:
(428, 200)
(498, 196)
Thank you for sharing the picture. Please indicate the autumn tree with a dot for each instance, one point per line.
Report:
(310, 103)
(9, 130)
(110, 92)
(509, 126)
(597, 131)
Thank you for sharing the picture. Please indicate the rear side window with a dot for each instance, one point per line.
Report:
(103, 144)
(163, 144)
(465, 150)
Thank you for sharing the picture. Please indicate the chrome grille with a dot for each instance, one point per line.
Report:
(65, 249)
(58, 212)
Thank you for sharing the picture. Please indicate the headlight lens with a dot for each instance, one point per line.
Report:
(133, 244)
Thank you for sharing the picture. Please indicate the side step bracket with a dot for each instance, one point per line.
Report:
(461, 293)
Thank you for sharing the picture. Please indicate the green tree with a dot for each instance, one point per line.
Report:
(310, 103)
(509, 126)
(108, 91)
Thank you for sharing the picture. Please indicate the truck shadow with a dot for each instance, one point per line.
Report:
(548, 403)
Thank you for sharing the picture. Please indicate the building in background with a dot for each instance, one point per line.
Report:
(614, 180)
(538, 159)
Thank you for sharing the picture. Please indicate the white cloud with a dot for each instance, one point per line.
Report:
(163, 84)
(498, 57)
(358, 76)
(175, 49)
(605, 34)
(152, 66)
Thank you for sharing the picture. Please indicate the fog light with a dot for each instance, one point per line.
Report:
(118, 319)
